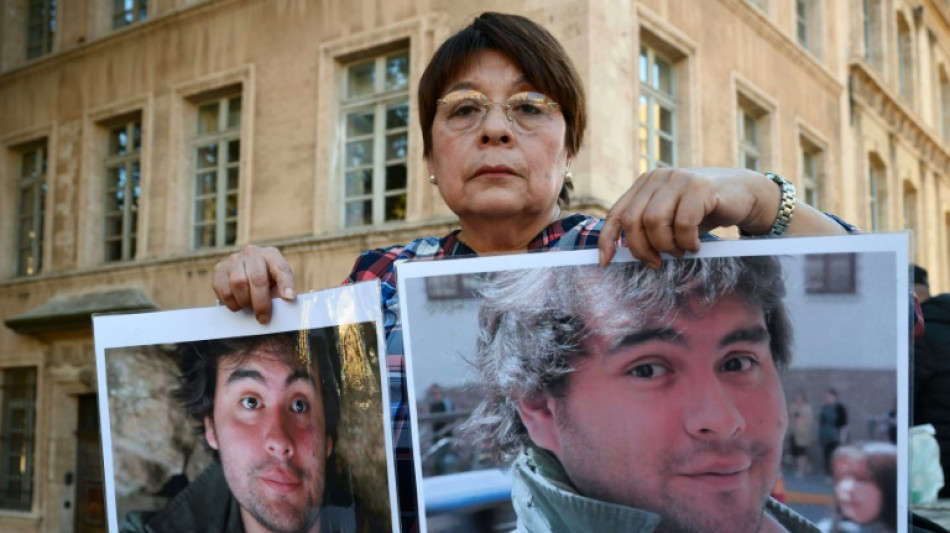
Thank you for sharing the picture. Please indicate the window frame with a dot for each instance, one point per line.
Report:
(651, 98)
(41, 43)
(379, 103)
(28, 454)
(748, 146)
(905, 60)
(877, 193)
(128, 213)
(219, 138)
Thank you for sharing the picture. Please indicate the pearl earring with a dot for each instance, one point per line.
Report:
(568, 178)
(432, 179)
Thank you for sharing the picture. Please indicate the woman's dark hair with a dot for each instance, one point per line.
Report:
(541, 58)
(881, 461)
(311, 350)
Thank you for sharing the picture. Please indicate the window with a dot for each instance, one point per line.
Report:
(873, 51)
(217, 152)
(810, 168)
(122, 189)
(375, 139)
(803, 10)
(830, 274)
(750, 143)
(40, 27)
(17, 440)
(656, 111)
(910, 206)
(905, 61)
(31, 208)
(125, 12)
(877, 187)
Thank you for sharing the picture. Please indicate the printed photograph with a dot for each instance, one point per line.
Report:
(716, 393)
(234, 426)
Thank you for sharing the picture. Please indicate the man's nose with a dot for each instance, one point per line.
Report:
(711, 412)
(277, 438)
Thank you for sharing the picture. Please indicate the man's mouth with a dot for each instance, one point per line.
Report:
(281, 480)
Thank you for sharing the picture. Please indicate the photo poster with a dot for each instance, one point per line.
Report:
(152, 449)
(850, 306)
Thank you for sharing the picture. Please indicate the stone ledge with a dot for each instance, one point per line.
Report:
(74, 311)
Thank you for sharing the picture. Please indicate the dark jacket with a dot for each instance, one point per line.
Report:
(932, 376)
(205, 506)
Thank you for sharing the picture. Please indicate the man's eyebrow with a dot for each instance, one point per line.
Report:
(249, 373)
(755, 333)
(245, 373)
(299, 375)
(643, 336)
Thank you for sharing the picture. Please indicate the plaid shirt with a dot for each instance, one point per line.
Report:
(575, 232)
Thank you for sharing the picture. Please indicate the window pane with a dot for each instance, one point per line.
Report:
(396, 207)
(396, 146)
(114, 226)
(665, 119)
(137, 136)
(644, 65)
(397, 116)
(359, 213)
(663, 72)
(205, 209)
(397, 72)
(234, 113)
(231, 206)
(205, 184)
(395, 177)
(359, 153)
(643, 109)
(207, 156)
(208, 118)
(751, 162)
(361, 79)
(204, 236)
(666, 151)
(230, 233)
(359, 123)
(359, 182)
(118, 141)
(234, 151)
(749, 128)
(113, 250)
(232, 179)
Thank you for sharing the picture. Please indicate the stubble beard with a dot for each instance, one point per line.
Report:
(299, 521)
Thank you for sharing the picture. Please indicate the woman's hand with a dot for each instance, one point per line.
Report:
(251, 278)
(667, 209)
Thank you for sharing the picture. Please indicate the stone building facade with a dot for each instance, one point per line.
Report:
(141, 141)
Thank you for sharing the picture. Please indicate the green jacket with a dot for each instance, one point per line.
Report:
(206, 506)
(546, 501)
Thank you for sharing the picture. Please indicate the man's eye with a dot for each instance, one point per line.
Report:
(299, 406)
(648, 371)
(250, 402)
(739, 364)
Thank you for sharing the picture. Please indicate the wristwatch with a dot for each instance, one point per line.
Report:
(786, 207)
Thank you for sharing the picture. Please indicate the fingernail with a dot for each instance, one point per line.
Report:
(289, 294)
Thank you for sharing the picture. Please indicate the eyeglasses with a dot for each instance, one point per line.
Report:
(464, 110)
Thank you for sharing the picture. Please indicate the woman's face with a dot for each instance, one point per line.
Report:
(498, 169)
(857, 494)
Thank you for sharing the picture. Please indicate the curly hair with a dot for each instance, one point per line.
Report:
(533, 323)
(309, 350)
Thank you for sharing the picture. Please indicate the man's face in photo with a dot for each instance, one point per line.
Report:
(683, 417)
(269, 429)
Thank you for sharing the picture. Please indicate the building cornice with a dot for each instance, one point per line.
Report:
(117, 37)
(868, 89)
(769, 31)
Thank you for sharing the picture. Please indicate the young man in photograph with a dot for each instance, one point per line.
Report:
(635, 399)
(268, 407)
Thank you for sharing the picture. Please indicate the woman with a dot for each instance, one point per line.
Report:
(800, 421)
(865, 489)
(502, 112)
